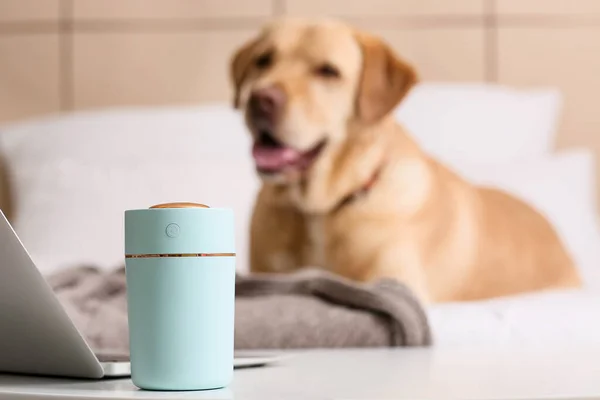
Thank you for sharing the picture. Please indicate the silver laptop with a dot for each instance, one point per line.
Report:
(37, 337)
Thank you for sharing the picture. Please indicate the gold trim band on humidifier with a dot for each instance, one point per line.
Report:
(180, 255)
(180, 205)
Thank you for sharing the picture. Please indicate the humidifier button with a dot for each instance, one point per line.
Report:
(172, 230)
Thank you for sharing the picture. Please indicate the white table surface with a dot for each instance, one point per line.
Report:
(369, 374)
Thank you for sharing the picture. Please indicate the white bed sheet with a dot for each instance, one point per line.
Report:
(545, 320)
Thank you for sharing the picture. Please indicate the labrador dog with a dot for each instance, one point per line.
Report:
(346, 189)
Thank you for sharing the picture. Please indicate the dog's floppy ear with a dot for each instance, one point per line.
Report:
(384, 81)
(239, 66)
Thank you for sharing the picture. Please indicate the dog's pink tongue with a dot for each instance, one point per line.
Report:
(274, 158)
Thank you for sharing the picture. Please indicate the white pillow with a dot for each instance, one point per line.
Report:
(74, 176)
(562, 187)
(481, 122)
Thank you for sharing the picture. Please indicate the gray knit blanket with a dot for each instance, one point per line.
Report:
(308, 309)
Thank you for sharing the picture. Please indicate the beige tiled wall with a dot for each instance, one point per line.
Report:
(29, 74)
(90, 53)
(378, 8)
(120, 68)
(61, 55)
(560, 8)
(441, 53)
(29, 10)
(168, 9)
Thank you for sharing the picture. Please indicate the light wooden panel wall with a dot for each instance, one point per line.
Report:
(62, 55)
(555, 42)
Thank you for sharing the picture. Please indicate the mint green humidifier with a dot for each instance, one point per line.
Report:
(180, 268)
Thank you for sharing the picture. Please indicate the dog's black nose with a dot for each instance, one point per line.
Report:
(267, 103)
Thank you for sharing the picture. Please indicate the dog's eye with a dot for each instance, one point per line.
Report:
(264, 60)
(328, 71)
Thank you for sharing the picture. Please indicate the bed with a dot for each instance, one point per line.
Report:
(70, 177)
(106, 106)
